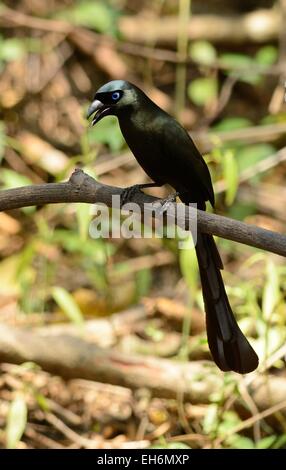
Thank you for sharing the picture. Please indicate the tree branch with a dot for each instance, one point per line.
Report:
(258, 26)
(83, 188)
(72, 357)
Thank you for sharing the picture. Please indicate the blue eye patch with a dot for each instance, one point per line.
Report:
(115, 95)
(110, 97)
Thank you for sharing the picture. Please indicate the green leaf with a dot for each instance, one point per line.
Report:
(210, 419)
(154, 332)
(240, 442)
(189, 266)
(242, 210)
(230, 419)
(16, 421)
(12, 49)
(271, 291)
(273, 118)
(248, 155)
(96, 250)
(231, 123)
(266, 55)
(91, 14)
(12, 179)
(107, 132)
(266, 442)
(203, 91)
(42, 401)
(235, 61)
(143, 282)
(83, 215)
(231, 176)
(240, 62)
(281, 441)
(67, 304)
(203, 52)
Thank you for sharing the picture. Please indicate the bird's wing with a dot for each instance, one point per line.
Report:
(185, 161)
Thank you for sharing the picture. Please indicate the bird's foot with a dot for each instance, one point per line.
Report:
(128, 193)
(166, 203)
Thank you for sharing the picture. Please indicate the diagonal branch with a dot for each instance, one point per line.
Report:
(83, 188)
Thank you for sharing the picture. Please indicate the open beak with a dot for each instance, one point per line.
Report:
(99, 110)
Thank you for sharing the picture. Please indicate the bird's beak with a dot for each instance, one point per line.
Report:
(99, 109)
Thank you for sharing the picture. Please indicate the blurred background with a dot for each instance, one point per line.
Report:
(102, 342)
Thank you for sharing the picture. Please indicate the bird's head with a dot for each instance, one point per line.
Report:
(111, 98)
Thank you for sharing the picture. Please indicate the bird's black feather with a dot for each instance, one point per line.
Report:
(169, 156)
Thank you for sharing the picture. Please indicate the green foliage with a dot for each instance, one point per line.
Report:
(67, 304)
(280, 442)
(236, 441)
(107, 132)
(93, 14)
(226, 158)
(94, 249)
(266, 442)
(203, 91)
(271, 291)
(92, 254)
(155, 333)
(203, 52)
(235, 60)
(143, 283)
(12, 179)
(241, 210)
(236, 159)
(249, 155)
(236, 63)
(242, 64)
(231, 175)
(16, 421)
(274, 118)
(12, 49)
(83, 215)
(189, 265)
(210, 419)
(42, 401)
(221, 424)
(232, 123)
(266, 55)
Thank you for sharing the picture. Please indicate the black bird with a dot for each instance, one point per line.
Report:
(168, 155)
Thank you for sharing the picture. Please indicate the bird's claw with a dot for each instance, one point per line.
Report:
(128, 193)
(166, 203)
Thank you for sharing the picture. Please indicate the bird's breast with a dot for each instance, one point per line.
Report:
(145, 146)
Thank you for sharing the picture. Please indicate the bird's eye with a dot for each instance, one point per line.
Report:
(115, 95)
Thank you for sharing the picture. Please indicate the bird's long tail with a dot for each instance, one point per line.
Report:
(229, 347)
